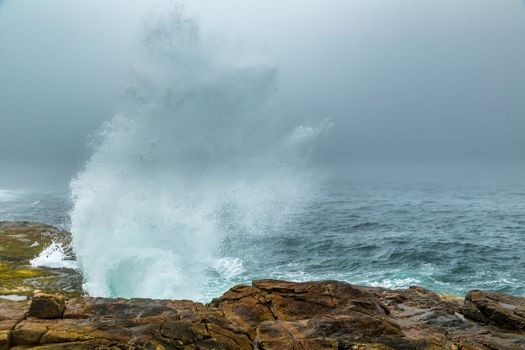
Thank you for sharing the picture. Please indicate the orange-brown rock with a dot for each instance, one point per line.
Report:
(501, 310)
(274, 315)
(47, 305)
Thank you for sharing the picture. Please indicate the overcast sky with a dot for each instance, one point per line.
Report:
(407, 77)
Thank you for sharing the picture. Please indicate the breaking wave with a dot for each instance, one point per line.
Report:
(197, 153)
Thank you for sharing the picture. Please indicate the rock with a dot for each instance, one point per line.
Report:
(11, 313)
(20, 242)
(268, 315)
(47, 306)
(279, 314)
(5, 337)
(498, 309)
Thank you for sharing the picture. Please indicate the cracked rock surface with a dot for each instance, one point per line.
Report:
(271, 314)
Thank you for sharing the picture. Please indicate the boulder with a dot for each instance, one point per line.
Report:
(313, 315)
(498, 309)
(47, 306)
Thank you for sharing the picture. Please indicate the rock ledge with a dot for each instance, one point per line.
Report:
(268, 315)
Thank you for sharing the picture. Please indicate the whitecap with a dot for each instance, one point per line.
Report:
(228, 267)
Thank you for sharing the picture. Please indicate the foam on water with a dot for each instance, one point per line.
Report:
(55, 257)
(229, 267)
(196, 154)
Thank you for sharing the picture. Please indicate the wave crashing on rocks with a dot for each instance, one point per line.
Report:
(197, 152)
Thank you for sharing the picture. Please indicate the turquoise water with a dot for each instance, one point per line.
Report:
(450, 236)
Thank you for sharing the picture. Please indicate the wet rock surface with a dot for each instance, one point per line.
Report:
(501, 310)
(268, 315)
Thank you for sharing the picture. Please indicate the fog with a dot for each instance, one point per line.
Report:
(402, 79)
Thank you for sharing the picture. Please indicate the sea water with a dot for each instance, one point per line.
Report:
(449, 236)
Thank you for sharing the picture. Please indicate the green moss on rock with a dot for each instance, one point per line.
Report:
(20, 242)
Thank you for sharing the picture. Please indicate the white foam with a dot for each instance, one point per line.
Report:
(228, 267)
(54, 257)
(395, 283)
(196, 153)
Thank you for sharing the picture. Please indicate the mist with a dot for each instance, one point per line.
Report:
(402, 80)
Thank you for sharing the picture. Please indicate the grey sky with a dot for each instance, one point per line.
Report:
(399, 77)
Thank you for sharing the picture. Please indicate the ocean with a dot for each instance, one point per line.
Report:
(449, 236)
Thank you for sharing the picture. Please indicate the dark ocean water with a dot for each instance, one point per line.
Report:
(449, 236)
(49, 206)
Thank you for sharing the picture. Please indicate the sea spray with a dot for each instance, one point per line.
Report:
(197, 153)
(54, 256)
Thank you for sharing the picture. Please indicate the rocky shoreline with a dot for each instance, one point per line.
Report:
(270, 314)
(267, 314)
